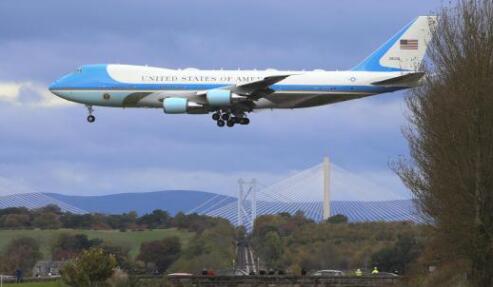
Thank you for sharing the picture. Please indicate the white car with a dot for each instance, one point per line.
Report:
(328, 273)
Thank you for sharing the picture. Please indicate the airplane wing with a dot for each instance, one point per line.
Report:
(405, 80)
(258, 89)
(251, 90)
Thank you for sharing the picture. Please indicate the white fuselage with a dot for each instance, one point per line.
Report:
(143, 86)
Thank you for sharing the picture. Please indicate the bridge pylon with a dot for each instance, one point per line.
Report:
(247, 203)
(326, 187)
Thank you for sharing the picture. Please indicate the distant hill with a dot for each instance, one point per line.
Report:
(211, 204)
(172, 201)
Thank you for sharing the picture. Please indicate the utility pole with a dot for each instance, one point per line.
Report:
(326, 176)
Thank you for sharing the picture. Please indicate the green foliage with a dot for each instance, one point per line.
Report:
(70, 245)
(91, 268)
(398, 257)
(213, 248)
(338, 218)
(162, 253)
(294, 242)
(156, 219)
(35, 284)
(130, 240)
(272, 248)
(21, 253)
(51, 217)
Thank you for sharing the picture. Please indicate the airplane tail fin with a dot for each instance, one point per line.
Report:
(403, 52)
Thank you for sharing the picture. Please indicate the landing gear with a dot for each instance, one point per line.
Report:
(90, 118)
(226, 118)
(244, 121)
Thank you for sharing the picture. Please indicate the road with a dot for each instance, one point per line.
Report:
(245, 259)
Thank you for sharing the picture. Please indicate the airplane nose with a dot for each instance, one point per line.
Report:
(52, 86)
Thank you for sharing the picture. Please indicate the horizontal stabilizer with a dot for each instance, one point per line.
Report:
(401, 81)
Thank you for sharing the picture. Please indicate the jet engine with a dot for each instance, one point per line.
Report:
(221, 98)
(182, 106)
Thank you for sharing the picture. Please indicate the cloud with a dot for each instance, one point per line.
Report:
(11, 185)
(29, 94)
(9, 92)
(295, 185)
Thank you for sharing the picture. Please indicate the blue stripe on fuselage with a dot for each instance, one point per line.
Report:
(199, 87)
(96, 77)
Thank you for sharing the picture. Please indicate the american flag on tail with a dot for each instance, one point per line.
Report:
(407, 44)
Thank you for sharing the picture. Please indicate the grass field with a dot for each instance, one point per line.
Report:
(130, 239)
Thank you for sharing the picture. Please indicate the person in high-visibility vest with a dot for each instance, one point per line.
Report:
(375, 271)
(358, 272)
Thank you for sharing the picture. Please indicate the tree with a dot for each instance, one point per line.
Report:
(47, 220)
(158, 218)
(451, 139)
(212, 248)
(272, 250)
(91, 268)
(160, 252)
(120, 253)
(398, 257)
(338, 218)
(21, 253)
(68, 246)
(15, 220)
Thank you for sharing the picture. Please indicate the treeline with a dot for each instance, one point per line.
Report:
(212, 246)
(293, 242)
(52, 217)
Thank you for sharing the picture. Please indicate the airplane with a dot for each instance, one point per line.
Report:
(230, 94)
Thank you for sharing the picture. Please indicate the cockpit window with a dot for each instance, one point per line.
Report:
(79, 70)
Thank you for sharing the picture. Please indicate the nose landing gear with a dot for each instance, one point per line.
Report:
(90, 118)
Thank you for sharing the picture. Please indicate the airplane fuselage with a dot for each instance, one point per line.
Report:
(231, 94)
(143, 86)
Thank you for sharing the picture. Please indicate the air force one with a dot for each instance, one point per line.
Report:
(231, 94)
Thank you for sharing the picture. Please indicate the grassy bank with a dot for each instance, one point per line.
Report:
(130, 239)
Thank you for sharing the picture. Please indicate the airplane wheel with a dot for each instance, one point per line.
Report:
(91, 118)
(244, 121)
(216, 116)
(220, 123)
(237, 120)
(225, 116)
(231, 123)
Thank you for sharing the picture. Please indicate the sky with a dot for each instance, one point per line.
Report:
(46, 145)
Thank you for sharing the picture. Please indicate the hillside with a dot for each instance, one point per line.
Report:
(131, 239)
(172, 201)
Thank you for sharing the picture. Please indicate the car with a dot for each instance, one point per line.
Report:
(328, 273)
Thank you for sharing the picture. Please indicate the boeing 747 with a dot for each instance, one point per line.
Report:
(230, 94)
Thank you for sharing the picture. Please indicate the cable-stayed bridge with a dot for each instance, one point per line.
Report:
(36, 200)
(318, 192)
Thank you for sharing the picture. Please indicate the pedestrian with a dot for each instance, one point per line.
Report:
(375, 271)
(358, 272)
